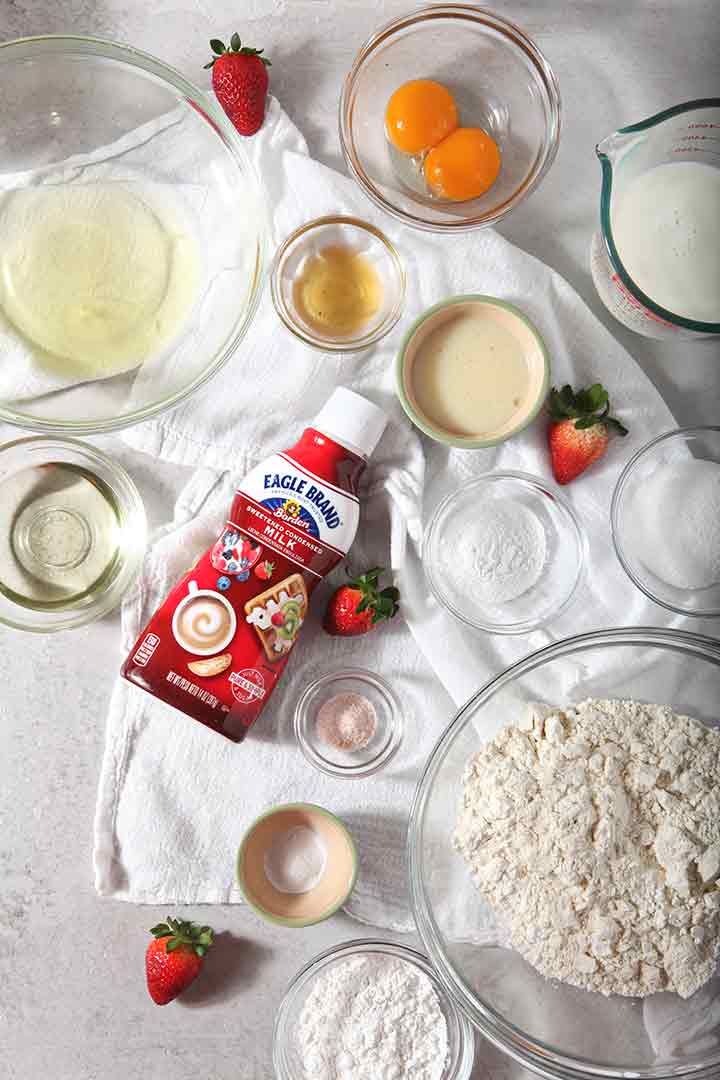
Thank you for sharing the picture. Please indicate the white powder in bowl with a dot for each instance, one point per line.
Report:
(676, 524)
(295, 861)
(497, 556)
(372, 1017)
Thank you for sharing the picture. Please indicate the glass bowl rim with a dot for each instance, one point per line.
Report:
(533, 1054)
(103, 48)
(110, 598)
(421, 422)
(535, 482)
(514, 36)
(357, 947)
(316, 341)
(615, 513)
(397, 721)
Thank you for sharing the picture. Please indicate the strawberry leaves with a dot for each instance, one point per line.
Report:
(178, 932)
(383, 604)
(586, 408)
(236, 46)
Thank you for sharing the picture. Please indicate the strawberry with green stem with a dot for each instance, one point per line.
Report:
(360, 605)
(580, 426)
(175, 957)
(240, 82)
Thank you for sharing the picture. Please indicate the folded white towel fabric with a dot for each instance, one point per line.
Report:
(175, 798)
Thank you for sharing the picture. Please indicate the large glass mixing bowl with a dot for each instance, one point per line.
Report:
(100, 142)
(555, 1029)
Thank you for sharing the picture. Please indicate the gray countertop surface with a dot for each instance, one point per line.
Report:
(72, 999)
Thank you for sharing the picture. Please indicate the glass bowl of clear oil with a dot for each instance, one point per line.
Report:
(72, 534)
(338, 284)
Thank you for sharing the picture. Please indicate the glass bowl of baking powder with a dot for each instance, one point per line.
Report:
(370, 1010)
(504, 553)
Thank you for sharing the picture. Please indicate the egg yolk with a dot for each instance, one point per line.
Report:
(462, 166)
(419, 115)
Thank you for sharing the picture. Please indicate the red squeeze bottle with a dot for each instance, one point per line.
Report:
(217, 646)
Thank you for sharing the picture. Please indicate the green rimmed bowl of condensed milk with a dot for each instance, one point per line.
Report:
(72, 534)
(472, 371)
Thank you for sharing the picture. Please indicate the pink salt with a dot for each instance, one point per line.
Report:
(346, 722)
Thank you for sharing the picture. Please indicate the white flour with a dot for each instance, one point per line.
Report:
(594, 833)
(498, 554)
(372, 1018)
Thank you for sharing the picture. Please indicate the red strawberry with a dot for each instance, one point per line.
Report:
(277, 619)
(264, 570)
(359, 606)
(174, 958)
(579, 430)
(240, 82)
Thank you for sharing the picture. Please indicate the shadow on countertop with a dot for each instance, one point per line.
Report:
(231, 966)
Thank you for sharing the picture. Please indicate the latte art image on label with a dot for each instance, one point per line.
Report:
(204, 622)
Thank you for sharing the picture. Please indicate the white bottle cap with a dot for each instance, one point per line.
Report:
(351, 420)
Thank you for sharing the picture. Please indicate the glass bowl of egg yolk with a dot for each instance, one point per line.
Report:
(338, 284)
(449, 118)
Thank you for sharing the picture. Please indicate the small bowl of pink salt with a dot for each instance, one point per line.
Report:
(349, 723)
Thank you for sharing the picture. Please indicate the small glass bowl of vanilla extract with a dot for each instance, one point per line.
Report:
(338, 284)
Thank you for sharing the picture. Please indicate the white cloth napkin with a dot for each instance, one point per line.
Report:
(175, 798)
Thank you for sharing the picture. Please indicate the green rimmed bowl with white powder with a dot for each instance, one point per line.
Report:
(504, 553)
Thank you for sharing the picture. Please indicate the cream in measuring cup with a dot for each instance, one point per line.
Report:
(656, 260)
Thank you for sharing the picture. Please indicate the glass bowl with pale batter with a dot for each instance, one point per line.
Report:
(558, 1031)
(132, 236)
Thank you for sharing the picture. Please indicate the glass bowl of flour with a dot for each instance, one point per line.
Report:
(504, 553)
(665, 517)
(132, 236)
(564, 857)
(369, 1010)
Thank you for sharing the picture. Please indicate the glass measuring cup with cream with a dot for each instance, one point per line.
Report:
(472, 371)
(656, 258)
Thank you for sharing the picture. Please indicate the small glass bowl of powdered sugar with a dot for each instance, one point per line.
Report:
(349, 723)
(504, 553)
(366, 1010)
(666, 520)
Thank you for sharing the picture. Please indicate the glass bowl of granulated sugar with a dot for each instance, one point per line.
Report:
(367, 1010)
(504, 553)
(564, 857)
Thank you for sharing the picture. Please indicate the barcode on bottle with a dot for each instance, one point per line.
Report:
(147, 647)
(192, 689)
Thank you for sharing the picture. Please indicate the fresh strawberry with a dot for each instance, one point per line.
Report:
(358, 606)
(174, 958)
(240, 82)
(264, 570)
(277, 618)
(579, 430)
